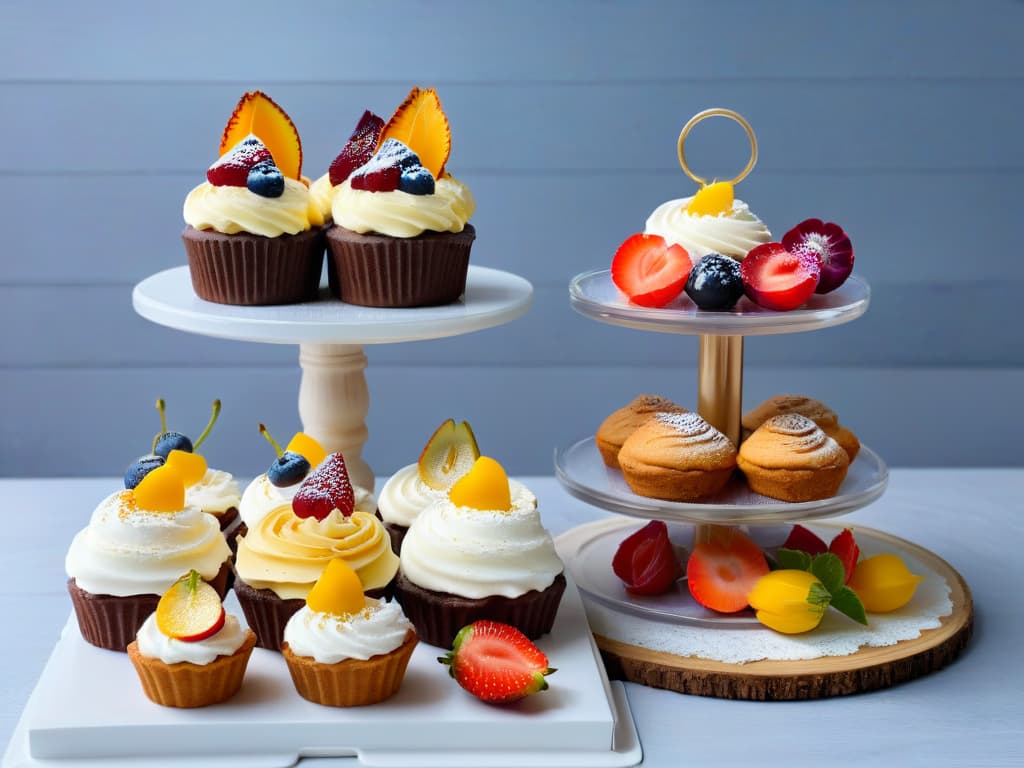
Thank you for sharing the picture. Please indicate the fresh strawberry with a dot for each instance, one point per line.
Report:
(722, 572)
(776, 279)
(829, 244)
(649, 271)
(359, 149)
(232, 169)
(845, 548)
(496, 662)
(383, 172)
(325, 489)
(806, 541)
(646, 560)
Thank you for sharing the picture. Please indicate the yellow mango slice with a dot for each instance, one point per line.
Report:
(306, 446)
(484, 487)
(162, 490)
(191, 466)
(259, 115)
(712, 200)
(421, 124)
(338, 590)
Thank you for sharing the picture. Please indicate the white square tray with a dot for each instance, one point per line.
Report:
(88, 709)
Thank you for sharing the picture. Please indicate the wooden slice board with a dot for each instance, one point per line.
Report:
(867, 670)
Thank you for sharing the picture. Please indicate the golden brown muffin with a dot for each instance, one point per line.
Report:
(620, 425)
(790, 458)
(677, 457)
(813, 409)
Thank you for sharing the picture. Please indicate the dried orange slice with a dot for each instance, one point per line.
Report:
(259, 115)
(421, 124)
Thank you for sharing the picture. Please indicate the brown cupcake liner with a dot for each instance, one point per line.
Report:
(438, 616)
(380, 271)
(396, 533)
(267, 614)
(192, 685)
(112, 621)
(244, 269)
(352, 682)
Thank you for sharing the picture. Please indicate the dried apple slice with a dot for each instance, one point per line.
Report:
(191, 466)
(259, 115)
(190, 610)
(338, 590)
(162, 490)
(484, 487)
(421, 124)
(448, 455)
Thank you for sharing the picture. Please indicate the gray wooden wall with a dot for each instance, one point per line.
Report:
(900, 120)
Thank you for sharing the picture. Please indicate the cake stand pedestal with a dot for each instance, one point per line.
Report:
(588, 549)
(333, 397)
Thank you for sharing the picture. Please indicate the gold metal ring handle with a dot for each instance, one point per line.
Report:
(717, 112)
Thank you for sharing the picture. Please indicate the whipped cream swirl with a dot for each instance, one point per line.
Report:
(216, 492)
(130, 551)
(154, 644)
(321, 192)
(399, 214)
(379, 628)
(733, 233)
(230, 210)
(475, 554)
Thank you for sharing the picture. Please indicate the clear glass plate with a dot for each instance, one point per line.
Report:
(582, 472)
(594, 295)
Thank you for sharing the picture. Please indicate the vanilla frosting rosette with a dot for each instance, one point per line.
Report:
(137, 544)
(480, 554)
(734, 232)
(217, 493)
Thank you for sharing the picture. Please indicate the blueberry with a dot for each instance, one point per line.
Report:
(288, 469)
(417, 181)
(142, 467)
(265, 179)
(171, 441)
(715, 282)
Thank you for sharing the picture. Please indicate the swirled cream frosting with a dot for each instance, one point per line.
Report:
(405, 495)
(130, 551)
(400, 214)
(733, 233)
(230, 210)
(379, 628)
(261, 496)
(216, 492)
(791, 441)
(286, 553)
(321, 192)
(474, 554)
(154, 644)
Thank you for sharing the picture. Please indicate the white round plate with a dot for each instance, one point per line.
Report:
(492, 298)
(594, 294)
(583, 474)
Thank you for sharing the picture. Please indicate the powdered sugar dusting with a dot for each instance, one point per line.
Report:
(791, 424)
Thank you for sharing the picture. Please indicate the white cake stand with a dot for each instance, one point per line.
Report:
(333, 397)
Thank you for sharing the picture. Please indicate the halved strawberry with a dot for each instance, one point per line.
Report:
(776, 279)
(721, 573)
(496, 662)
(359, 149)
(649, 271)
(232, 168)
(325, 489)
(828, 243)
(845, 548)
(805, 540)
(646, 560)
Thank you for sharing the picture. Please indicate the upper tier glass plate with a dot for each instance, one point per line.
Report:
(492, 297)
(594, 294)
(581, 470)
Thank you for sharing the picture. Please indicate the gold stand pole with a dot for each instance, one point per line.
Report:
(720, 393)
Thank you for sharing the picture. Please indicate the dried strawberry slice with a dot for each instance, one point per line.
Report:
(805, 540)
(360, 148)
(325, 489)
(646, 560)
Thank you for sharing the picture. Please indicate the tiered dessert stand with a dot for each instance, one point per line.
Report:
(589, 549)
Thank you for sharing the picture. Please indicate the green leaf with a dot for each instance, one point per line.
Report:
(845, 601)
(830, 571)
(819, 597)
(793, 559)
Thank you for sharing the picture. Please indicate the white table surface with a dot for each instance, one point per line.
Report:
(969, 714)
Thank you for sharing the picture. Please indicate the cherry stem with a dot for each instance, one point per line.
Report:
(209, 425)
(272, 441)
(160, 406)
(193, 580)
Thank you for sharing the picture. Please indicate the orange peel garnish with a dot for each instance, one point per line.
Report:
(421, 124)
(261, 116)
